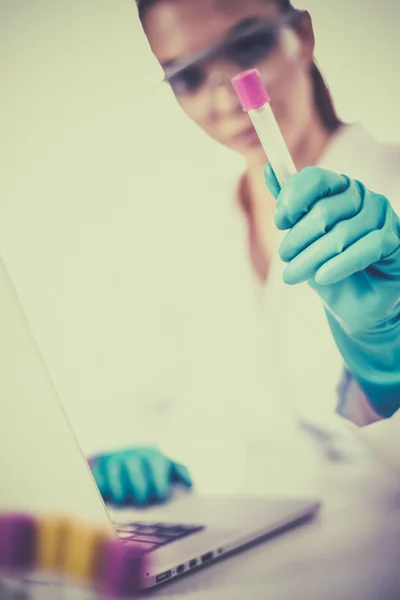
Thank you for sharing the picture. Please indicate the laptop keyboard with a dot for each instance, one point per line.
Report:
(154, 535)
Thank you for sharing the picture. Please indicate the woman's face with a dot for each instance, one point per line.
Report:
(179, 29)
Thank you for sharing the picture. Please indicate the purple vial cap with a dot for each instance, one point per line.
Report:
(122, 569)
(17, 541)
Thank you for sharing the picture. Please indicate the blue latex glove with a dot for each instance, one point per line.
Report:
(345, 241)
(137, 476)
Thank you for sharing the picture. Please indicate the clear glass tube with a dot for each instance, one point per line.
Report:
(272, 141)
(275, 148)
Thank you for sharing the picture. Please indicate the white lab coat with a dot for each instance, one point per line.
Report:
(256, 358)
(360, 156)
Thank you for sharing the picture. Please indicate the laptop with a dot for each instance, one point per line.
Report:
(42, 469)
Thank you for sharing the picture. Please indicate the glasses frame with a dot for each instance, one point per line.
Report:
(267, 26)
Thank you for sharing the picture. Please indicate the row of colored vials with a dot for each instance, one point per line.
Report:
(69, 550)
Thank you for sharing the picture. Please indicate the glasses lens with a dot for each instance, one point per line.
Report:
(187, 81)
(250, 50)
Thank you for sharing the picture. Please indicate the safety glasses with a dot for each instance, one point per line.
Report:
(245, 46)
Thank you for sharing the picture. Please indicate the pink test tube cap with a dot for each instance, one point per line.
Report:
(250, 90)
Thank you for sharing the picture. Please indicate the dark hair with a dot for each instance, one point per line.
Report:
(144, 6)
(322, 95)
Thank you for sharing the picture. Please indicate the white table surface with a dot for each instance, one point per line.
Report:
(351, 552)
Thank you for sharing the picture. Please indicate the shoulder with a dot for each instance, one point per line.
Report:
(376, 164)
(388, 163)
(355, 152)
(389, 171)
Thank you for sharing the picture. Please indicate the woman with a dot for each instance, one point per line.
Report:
(201, 46)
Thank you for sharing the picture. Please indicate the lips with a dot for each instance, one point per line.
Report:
(247, 137)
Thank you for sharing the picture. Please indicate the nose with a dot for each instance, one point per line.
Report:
(223, 98)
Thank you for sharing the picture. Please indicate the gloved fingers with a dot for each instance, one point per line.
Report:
(115, 479)
(138, 480)
(359, 256)
(322, 217)
(97, 468)
(344, 234)
(158, 469)
(303, 190)
(271, 181)
(181, 474)
(305, 265)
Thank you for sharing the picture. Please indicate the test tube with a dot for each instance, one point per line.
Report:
(122, 567)
(255, 100)
(17, 553)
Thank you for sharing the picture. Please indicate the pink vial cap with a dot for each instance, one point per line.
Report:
(250, 90)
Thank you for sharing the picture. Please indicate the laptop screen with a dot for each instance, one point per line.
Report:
(42, 468)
